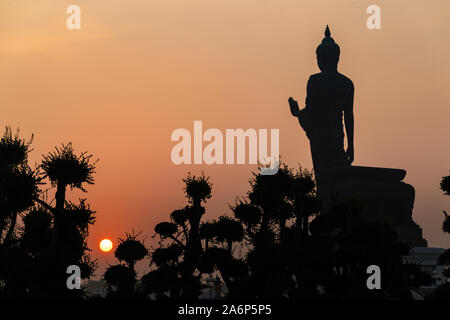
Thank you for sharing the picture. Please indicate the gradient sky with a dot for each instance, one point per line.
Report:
(139, 69)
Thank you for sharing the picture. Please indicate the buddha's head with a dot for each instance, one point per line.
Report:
(328, 53)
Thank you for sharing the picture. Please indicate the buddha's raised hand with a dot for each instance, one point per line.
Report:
(294, 107)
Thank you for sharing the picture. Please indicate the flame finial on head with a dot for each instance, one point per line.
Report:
(328, 40)
(327, 32)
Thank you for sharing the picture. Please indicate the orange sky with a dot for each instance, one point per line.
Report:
(139, 69)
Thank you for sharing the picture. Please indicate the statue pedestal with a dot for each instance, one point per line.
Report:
(382, 193)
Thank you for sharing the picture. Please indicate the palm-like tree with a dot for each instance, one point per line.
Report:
(184, 230)
(64, 168)
(123, 276)
(18, 182)
(130, 250)
(198, 190)
(31, 261)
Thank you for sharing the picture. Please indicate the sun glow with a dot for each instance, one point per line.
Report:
(106, 245)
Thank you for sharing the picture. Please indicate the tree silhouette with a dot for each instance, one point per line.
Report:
(296, 251)
(167, 275)
(275, 217)
(63, 168)
(179, 259)
(30, 264)
(278, 243)
(130, 250)
(18, 187)
(18, 183)
(122, 278)
(349, 243)
(224, 230)
(443, 291)
(219, 236)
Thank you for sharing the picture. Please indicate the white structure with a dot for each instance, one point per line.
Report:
(216, 288)
(427, 259)
(95, 288)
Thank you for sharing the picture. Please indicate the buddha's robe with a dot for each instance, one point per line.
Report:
(329, 94)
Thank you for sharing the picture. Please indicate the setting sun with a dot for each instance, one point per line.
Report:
(106, 245)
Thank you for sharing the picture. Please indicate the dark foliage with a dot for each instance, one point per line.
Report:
(443, 291)
(38, 241)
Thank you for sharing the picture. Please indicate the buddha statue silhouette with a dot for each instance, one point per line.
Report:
(380, 191)
(329, 96)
